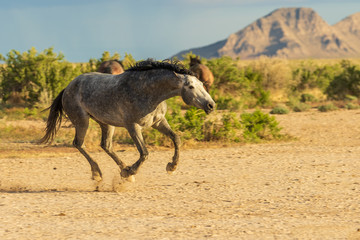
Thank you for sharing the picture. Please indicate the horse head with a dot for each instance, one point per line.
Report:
(195, 60)
(193, 93)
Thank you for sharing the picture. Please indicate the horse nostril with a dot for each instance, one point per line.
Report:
(210, 106)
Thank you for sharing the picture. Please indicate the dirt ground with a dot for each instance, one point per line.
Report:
(304, 189)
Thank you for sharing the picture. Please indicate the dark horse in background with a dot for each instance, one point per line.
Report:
(112, 67)
(134, 100)
(202, 72)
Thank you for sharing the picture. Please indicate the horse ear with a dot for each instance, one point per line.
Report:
(180, 77)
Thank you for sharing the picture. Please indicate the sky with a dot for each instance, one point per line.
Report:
(84, 29)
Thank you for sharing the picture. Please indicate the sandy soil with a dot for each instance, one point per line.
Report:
(304, 189)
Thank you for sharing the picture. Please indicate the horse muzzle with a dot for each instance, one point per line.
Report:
(209, 107)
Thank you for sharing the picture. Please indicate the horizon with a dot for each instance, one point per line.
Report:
(159, 29)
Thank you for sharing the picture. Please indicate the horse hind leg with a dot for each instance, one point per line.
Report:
(81, 126)
(107, 133)
(106, 143)
(136, 135)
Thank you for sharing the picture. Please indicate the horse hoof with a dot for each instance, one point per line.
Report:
(170, 168)
(131, 178)
(125, 174)
(97, 178)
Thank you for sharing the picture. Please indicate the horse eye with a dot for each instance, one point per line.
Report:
(191, 87)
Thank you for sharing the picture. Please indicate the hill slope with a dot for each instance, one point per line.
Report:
(289, 33)
(350, 28)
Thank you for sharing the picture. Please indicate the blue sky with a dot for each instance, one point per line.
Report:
(84, 29)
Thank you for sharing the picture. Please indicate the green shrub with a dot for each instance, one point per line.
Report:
(298, 106)
(94, 63)
(229, 130)
(327, 107)
(350, 98)
(310, 75)
(346, 83)
(243, 83)
(352, 106)
(279, 110)
(306, 97)
(301, 107)
(227, 102)
(259, 126)
(227, 76)
(25, 75)
(192, 123)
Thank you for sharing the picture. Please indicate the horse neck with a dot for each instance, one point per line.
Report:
(159, 85)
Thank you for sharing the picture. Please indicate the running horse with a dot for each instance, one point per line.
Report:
(202, 72)
(134, 100)
(112, 67)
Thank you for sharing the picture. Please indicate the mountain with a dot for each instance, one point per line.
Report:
(350, 28)
(289, 33)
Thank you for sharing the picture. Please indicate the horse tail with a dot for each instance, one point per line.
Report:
(54, 120)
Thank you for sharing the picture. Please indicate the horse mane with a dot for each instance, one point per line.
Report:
(151, 64)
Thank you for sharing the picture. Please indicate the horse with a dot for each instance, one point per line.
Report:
(202, 72)
(134, 100)
(112, 67)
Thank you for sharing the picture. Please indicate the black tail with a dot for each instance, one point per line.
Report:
(54, 120)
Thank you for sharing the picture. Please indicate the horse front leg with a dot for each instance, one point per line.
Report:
(136, 135)
(164, 128)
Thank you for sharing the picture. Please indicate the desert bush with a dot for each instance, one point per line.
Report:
(227, 102)
(280, 110)
(259, 126)
(311, 75)
(327, 107)
(249, 127)
(352, 106)
(307, 97)
(26, 75)
(94, 63)
(346, 83)
(257, 94)
(301, 107)
(297, 106)
(351, 98)
(227, 76)
(275, 73)
(192, 124)
(229, 129)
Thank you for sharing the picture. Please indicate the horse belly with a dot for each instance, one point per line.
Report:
(116, 120)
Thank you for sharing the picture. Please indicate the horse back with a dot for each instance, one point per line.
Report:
(110, 99)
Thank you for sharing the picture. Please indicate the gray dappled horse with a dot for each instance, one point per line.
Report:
(134, 99)
(111, 67)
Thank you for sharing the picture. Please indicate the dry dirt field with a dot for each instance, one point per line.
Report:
(304, 189)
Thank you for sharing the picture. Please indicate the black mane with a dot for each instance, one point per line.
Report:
(166, 64)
